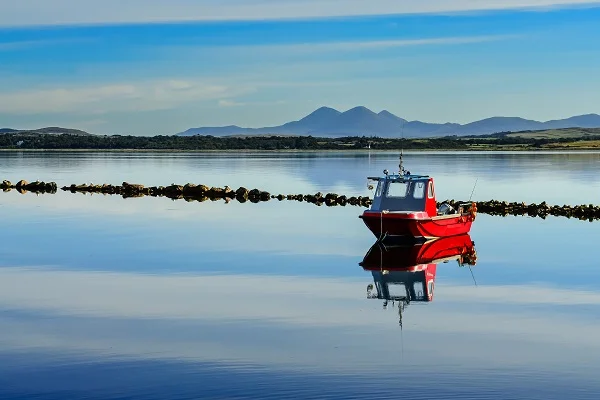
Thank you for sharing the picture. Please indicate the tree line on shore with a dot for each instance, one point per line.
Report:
(116, 142)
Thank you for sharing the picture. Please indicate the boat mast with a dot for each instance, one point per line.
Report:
(400, 166)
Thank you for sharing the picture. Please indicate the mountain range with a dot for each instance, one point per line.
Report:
(360, 121)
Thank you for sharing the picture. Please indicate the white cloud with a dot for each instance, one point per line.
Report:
(376, 44)
(44, 12)
(100, 99)
(230, 103)
(234, 103)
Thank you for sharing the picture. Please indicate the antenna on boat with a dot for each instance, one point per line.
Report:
(469, 263)
(401, 330)
(473, 191)
(472, 275)
(401, 166)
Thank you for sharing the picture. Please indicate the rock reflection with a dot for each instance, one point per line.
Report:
(404, 272)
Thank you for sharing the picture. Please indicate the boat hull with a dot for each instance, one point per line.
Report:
(416, 225)
(412, 257)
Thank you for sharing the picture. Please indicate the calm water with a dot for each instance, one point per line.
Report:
(102, 297)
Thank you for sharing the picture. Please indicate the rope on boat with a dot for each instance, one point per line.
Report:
(201, 193)
(381, 233)
(380, 227)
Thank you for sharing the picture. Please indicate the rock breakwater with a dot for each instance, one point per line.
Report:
(200, 193)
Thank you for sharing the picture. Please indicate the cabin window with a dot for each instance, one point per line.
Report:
(379, 189)
(431, 194)
(419, 190)
(397, 290)
(418, 287)
(397, 189)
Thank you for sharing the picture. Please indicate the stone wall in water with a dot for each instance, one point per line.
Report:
(193, 192)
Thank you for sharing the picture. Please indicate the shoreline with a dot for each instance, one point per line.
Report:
(441, 150)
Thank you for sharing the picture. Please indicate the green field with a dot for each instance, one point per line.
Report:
(566, 133)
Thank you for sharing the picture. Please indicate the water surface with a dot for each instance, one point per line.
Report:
(102, 297)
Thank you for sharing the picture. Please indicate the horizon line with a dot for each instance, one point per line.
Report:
(17, 130)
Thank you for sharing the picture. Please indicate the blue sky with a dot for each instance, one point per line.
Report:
(156, 67)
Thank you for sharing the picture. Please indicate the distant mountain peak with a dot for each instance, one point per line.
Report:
(326, 109)
(320, 114)
(387, 114)
(359, 109)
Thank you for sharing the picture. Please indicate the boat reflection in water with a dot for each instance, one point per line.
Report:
(405, 272)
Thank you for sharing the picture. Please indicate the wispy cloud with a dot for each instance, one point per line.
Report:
(259, 58)
(26, 44)
(99, 99)
(236, 103)
(230, 103)
(43, 12)
(387, 44)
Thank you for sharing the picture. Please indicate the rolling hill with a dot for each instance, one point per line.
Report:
(51, 130)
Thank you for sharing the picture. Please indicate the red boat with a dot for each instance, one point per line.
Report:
(406, 273)
(404, 205)
(409, 256)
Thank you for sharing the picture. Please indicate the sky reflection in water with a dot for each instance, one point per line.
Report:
(148, 297)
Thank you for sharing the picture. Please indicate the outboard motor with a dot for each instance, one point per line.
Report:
(445, 209)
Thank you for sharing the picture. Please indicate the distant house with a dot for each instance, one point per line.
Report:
(19, 143)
